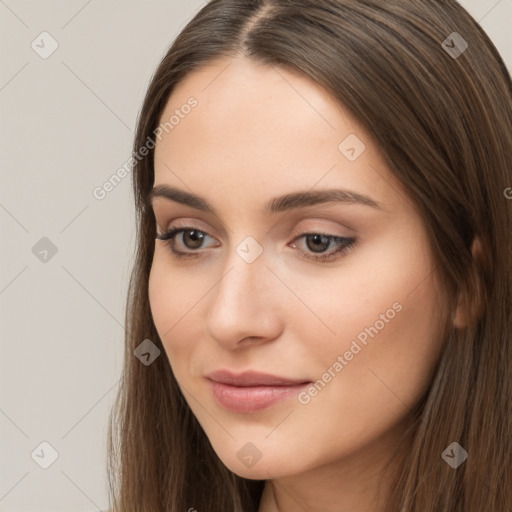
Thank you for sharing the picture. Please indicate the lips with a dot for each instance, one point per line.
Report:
(252, 391)
(252, 378)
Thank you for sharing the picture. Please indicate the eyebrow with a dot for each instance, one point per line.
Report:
(283, 203)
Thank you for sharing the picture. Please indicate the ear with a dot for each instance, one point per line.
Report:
(470, 304)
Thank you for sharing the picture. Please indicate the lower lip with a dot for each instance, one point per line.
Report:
(253, 398)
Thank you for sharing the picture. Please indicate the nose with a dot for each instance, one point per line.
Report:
(244, 306)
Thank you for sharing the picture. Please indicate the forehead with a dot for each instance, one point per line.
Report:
(260, 127)
(232, 82)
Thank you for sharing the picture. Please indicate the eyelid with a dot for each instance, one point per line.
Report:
(318, 226)
(186, 223)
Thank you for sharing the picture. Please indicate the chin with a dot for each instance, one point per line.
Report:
(262, 469)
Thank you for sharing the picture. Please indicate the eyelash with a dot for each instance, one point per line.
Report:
(345, 244)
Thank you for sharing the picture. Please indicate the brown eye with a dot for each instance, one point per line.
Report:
(195, 239)
(191, 239)
(318, 243)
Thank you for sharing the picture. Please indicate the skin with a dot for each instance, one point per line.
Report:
(259, 132)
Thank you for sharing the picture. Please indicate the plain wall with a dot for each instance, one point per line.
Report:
(67, 125)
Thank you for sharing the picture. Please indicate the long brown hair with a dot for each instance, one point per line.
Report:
(441, 114)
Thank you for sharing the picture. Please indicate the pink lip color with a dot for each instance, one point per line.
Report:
(248, 399)
(252, 378)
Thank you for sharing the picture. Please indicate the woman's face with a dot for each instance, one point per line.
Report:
(357, 316)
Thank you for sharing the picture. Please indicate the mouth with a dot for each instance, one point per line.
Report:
(252, 391)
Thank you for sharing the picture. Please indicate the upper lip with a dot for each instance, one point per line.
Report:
(252, 378)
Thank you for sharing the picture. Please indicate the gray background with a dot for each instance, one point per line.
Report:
(67, 124)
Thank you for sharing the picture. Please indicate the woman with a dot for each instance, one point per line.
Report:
(319, 315)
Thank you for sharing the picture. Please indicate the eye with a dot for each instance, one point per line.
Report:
(191, 238)
(316, 243)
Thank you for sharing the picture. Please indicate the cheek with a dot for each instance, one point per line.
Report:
(173, 299)
(381, 296)
(388, 335)
(388, 324)
(162, 298)
(395, 343)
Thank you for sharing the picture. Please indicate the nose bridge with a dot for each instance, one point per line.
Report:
(246, 274)
(244, 301)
